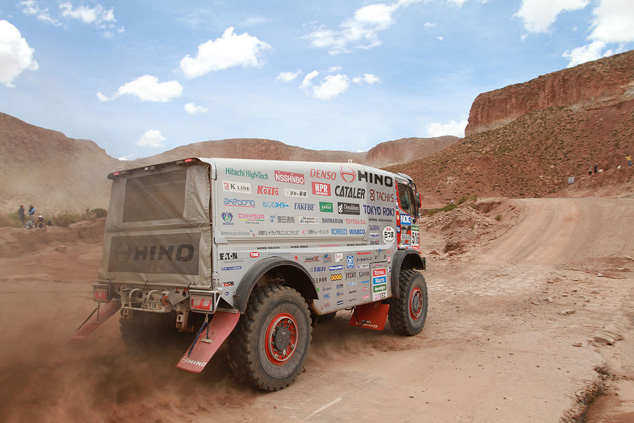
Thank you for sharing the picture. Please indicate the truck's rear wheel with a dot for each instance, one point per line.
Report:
(268, 348)
(408, 311)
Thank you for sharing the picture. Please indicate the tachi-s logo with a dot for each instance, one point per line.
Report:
(347, 174)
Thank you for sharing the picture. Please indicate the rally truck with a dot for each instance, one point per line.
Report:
(257, 252)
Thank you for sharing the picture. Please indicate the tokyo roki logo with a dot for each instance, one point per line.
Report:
(347, 174)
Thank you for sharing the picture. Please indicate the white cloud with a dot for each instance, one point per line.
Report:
(15, 54)
(151, 138)
(148, 88)
(429, 25)
(360, 31)
(367, 78)
(332, 86)
(539, 15)
(97, 15)
(193, 109)
(308, 78)
(225, 52)
(587, 53)
(450, 128)
(127, 158)
(613, 22)
(288, 76)
(32, 8)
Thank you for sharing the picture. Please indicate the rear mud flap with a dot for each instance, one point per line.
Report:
(98, 316)
(210, 337)
(370, 316)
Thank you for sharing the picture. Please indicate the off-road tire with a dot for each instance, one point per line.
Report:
(276, 320)
(408, 311)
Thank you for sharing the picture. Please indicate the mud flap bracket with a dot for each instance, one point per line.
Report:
(210, 337)
(96, 318)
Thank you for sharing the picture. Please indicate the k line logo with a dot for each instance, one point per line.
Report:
(241, 187)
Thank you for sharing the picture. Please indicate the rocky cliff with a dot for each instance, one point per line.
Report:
(600, 83)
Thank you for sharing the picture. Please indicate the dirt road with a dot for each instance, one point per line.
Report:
(516, 331)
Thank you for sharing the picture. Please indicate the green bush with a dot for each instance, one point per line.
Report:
(11, 219)
(99, 212)
(65, 219)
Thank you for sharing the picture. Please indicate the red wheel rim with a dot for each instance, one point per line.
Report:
(281, 338)
(415, 303)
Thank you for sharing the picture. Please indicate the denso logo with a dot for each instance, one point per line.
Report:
(290, 177)
(319, 188)
(268, 190)
(323, 174)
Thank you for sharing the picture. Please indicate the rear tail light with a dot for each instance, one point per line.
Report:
(202, 301)
(101, 293)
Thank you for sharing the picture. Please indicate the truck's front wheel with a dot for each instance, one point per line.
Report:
(268, 348)
(408, 311)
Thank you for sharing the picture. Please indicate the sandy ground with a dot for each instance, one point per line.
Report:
(517, 330)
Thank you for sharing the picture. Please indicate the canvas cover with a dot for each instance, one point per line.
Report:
(158, 230)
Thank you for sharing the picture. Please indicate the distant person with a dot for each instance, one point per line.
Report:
(40, 222)
(590, 171)
(629, 160)
(596, 169)
(21, 214)
(31, 211)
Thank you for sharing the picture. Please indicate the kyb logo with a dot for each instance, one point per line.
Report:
(319, 188)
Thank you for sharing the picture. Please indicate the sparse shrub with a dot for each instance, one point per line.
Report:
(11, 219)
(65, 219)
(98, 212)
(498, 217)
(466, 198)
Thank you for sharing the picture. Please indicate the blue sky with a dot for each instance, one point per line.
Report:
(140, 78)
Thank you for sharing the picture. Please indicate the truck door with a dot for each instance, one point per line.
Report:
(406, 228)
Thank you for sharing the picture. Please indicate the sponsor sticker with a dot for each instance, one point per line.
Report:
(320, 188)
(349, 208)
(325, 207)
(389, 235)
(240, 187)
(237, 202)
(289, 177)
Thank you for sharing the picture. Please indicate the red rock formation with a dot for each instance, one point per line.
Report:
(593, 84)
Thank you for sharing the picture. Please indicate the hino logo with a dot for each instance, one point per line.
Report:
(373, 178)
(193, 362)
(182, 253)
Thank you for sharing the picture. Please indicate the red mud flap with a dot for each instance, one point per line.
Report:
(210, 337)
(371, 316)
(93, 322)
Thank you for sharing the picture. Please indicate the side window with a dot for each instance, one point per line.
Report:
(406, 199)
